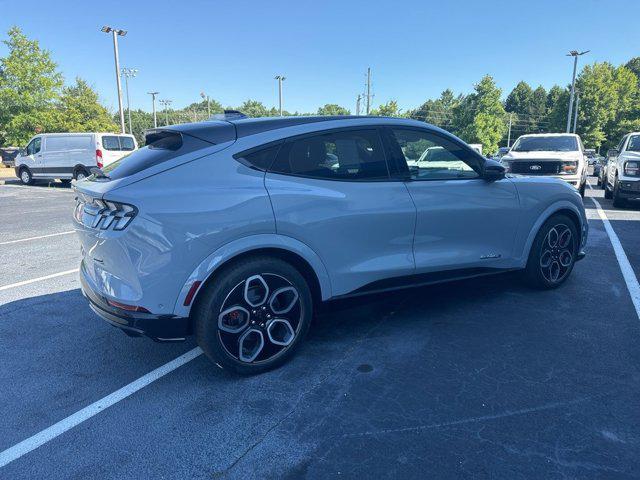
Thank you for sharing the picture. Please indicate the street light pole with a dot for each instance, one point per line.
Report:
(575, 118)
(116, 33)
(206, 97)
(575, 54)
(153, 102)
(280, 79)
(509, 134)
(128, 73)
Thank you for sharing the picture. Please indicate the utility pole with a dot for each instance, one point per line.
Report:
(280, 79)
(575, 54)
(575, 118)
(117, 33)
(153, 102)
(368, 90)
(128, 73)
(509, 135)
(206, 97)
(358, 104)
(165, 104)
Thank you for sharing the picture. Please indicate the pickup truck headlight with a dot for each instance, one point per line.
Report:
(632, 169)
(568, 168)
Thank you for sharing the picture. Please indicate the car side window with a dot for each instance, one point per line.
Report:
(621, 144)
(34, 146)
(126, 144)
(431, 157)
(352, 155)
(110, 143)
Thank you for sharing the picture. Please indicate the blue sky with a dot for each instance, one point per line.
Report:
(233, 49)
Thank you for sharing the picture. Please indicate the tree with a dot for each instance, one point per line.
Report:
(519, 100)
(483, 115)
(80, 110)
(333, 109)
(389, 109)
(438, 112)
(634, 66)
(29, 87)
(557, 108)
(254, 108)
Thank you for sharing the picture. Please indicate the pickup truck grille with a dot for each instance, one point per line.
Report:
(533, 167)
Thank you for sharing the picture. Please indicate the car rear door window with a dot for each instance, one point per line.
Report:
(111, 143)
(352, 155)
(126, 144)
(426, 156)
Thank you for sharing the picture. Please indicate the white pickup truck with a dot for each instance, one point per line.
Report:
(559, 155)
(621, 178)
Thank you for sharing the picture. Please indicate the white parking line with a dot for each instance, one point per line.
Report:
(627, 270)
(36, 238)
(48, 434)
(39, 279)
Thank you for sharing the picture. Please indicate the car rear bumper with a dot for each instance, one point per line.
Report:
(161, 328)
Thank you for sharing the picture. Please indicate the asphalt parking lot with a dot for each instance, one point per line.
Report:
(481, 378)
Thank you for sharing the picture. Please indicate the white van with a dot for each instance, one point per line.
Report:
(70, 155)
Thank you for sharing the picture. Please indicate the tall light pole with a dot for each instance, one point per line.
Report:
(206, 97)
(368, 90)
(280, 79)
(128, 73)
(509, 134)
(575, 54)
(117, 33)
(153, 102)
(575, 117)
(165, 104)
(358, 104)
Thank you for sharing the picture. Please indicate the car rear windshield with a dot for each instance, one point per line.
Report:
(546, 144)
(161, 146)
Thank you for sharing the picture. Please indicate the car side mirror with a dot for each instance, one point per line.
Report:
(613, 152)
(493, 171)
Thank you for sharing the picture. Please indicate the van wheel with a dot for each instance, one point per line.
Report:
(582, 188)
(553, 253)
(254, 316)
(80, 174)
(25, 176)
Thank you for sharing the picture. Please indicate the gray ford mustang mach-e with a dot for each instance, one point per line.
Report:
(233, 229)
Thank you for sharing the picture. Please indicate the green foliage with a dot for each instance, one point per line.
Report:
(519, 100)
(389, 109)
(29, 86)
(439, 111)
(333, 109)
(483, 115)
(80, 111)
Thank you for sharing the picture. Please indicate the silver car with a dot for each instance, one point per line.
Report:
(234, 229)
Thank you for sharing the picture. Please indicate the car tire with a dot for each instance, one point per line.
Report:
(599, 182)
(253, 336)
(25, 176)
(80, 174)
(553, 253)
(65, 181)
(582, 189)
(618, 201)
(605, 185)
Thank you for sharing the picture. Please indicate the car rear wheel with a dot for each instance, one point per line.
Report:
(553, 253)
(80, 174)
(25, 176)
(582, 188)
(254, 315)
(605, 184)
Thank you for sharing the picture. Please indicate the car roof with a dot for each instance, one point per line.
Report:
(72, 134)
(219, 131)
(550, 135)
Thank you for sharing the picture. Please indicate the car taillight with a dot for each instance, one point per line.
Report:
(115, 214)
(632, 168)
(99, 158)
(568, 168)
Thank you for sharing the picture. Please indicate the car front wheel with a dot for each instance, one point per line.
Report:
(605, 185)
(618, 201)
(553, 253)
(25, 176)
(254, 315)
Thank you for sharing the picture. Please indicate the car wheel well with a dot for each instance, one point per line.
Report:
(573, 216)
(293, 259)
